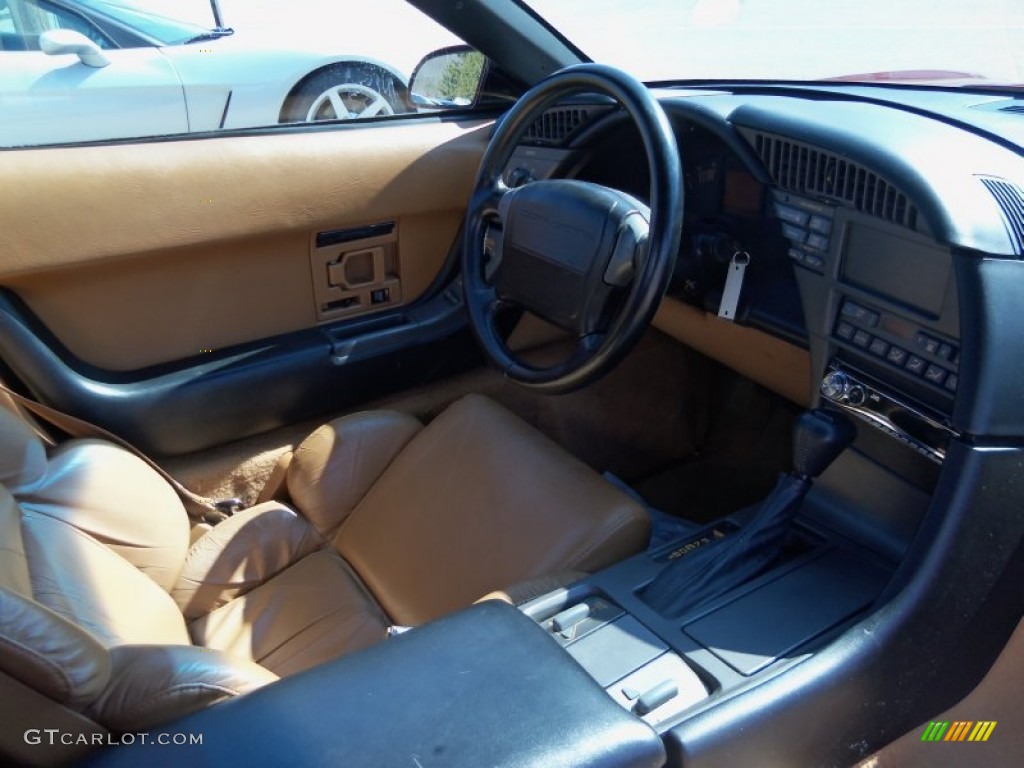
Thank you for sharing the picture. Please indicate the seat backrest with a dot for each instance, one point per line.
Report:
(91, 543)
(92, 534)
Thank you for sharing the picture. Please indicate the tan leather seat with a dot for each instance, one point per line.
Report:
(108, 613)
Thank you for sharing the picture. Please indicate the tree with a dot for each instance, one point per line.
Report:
(461, 77)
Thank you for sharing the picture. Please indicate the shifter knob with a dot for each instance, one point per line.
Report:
(818, 438)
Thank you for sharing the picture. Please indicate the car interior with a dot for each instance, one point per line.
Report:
(612, 425)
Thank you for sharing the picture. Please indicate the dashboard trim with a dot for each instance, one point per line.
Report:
(771, 362)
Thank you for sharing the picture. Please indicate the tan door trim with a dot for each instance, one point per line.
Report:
(140, 254)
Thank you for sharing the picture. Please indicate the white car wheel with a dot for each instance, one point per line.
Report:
(344, 91)
(348, 101)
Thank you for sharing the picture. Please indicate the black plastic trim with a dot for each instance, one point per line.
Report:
(207, 400)
(512, 34)
(680, 113)
(853, 128)
(947, 614)
(484, 687)
(474, 114)
(949, 105)
(991, 390)
(339, 236)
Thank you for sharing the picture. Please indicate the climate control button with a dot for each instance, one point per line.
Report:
(916, 365)
(897, 355)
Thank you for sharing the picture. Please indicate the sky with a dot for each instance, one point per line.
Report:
(660, 39)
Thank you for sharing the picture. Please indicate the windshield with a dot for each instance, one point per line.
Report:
(940, 41)
(140, 16)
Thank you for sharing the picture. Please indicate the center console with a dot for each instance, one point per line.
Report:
(883, 323)
(478, 688)
(666, 669)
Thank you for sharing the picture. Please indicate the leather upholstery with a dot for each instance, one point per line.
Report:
(49, 653)
(25, 709)
(241, 553)
(151, 684)
(92, 542)
(23, 458)
(77, 577)
(98, 575)
(336, 465)
(111, 496)
(475, 502)
(122, 235)
(314, 611)
(13, 561)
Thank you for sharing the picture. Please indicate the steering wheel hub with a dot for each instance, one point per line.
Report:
(592, 260)
(568, 246)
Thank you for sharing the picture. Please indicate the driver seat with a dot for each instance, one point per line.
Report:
(109, 616)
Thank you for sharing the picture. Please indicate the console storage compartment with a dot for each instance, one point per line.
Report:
(765, 624)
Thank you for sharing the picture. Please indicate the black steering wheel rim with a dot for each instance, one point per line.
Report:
(595, 354)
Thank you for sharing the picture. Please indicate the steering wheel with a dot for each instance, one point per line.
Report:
(591, 260)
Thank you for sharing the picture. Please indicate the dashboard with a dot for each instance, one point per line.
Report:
(860, 221)
(881, 235)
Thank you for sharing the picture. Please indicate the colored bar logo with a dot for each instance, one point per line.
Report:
(959, 730)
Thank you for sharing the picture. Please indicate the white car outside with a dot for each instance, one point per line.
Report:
(250, 78)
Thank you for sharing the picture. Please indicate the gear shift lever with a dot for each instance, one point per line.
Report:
(818, 438)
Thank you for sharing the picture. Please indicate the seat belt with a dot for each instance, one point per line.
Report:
(198, 506)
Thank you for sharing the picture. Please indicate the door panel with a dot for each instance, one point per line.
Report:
(143, 254)
(127, 314)
(166, 290)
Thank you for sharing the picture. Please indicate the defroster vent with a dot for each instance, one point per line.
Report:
(804, 169)
(1011, 202)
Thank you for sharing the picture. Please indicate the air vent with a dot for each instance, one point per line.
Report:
(1016, 109)
(556, 125)
(1011, 203)
(801, 168)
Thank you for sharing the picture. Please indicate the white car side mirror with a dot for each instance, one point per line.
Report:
(54, 42)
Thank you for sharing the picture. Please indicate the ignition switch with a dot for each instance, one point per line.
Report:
(717, 246)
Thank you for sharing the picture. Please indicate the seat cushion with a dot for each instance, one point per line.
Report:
(241, 553)
(311, 612)
(479, 500)
(335, 466)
